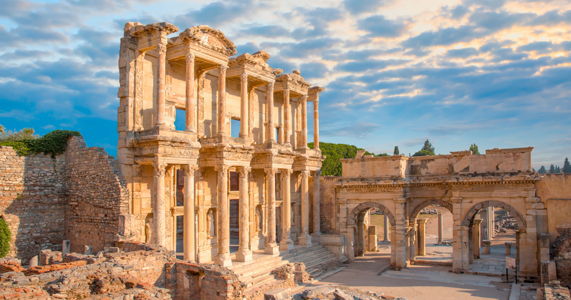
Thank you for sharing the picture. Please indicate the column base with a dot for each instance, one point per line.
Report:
(304, 240)
(286, 245)
(315, 237)
(244, 255)
(224, 260)
(272, 248)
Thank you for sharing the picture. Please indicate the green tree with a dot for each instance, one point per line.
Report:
(566, 166)
(551, 169)
(474, 149)
(396, 151)
(333, 154)
(427, 149)
(5, 237)
(542, 170)
(557, 170)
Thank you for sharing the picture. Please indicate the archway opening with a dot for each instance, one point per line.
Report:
(433, 226)
(373, 233)
(493, 238)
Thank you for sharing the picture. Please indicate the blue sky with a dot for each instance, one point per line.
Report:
(492, 72)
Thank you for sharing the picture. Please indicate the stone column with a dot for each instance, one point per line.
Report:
(398, 235)
(286, 242)
(476, 238)
(287, 117)
(271, 246)
(161, 76)
(245, 251)
(421, 237)
(372, 234)
(440, 228)
(159, 205)
(304, 238)
(190, 97)
(316, 122)
(222, 130)
(223, 219)
(490, 218)
(385, 228)
(270, 113)
(244, 103)
(189, 231)
(316, 205)
(304, 121)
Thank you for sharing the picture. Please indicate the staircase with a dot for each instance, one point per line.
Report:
(256, 274)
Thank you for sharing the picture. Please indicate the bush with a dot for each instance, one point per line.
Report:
(53, 143)
(5, 237)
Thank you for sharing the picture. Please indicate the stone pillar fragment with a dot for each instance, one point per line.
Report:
(476, 238)
(316, 122)
(385, 228)
(223, 219)
(372, 234)
(159, 205)
(286, 242)
(222, 130)
(440, 228)
(244, 251)
(421, 241)
(190, 97)
(304, 238)
(189, 230)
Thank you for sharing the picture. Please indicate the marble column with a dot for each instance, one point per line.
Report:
(190, 97)
(316, 122)
(286, 242)
(222, 130)
(271, 246)
(270, 113)
(385, 228)
(287, 117)
(245, 250)
(421, 237)
(440, 227)
(244, 109)
(490, 220)
(303, 141)
(304, 238)
(189, 230)
(161, 76)
(223, 219)
(159, 205)
(476, 238)
(316, 205)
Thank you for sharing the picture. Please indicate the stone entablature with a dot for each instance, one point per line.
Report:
(495, 161)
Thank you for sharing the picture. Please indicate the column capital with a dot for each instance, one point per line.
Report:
(287, 171)
(160, 168)
(270, 171)
(243, 171)
(244, 76)
(223, 67)
(223, 168)
(190, 55)
(162, 48)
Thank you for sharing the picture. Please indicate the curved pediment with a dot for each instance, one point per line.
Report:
(211, 38)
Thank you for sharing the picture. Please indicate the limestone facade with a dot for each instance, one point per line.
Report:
(213, 147)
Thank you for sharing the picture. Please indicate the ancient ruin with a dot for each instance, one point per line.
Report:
(215, 193)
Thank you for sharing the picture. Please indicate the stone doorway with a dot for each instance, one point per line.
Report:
(431, 239)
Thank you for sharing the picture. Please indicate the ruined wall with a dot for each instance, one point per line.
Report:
(32, 201)
(97, 196)
(327, 204)
(555, 191)
(77, 196)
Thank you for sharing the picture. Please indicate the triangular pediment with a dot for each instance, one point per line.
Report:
(211, 38)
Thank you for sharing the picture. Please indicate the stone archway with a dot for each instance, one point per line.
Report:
(416, 239)
(469, 217)
(471, 230)
(355, 221)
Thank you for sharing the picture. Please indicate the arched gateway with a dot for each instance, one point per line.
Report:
(463, 183)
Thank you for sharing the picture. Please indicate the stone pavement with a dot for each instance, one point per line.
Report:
(416, 282)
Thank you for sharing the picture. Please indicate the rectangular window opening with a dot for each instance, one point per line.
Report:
(179, 187)
(180, 119)
(234, 181)
(235, 128)
(278, 137)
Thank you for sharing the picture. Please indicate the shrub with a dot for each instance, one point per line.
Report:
(53, 143)
(5, 237)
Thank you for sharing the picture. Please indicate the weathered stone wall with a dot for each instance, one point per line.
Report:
(97, 196)
(32, 201)
(78, 196)
(555, 191)
(327, 203)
